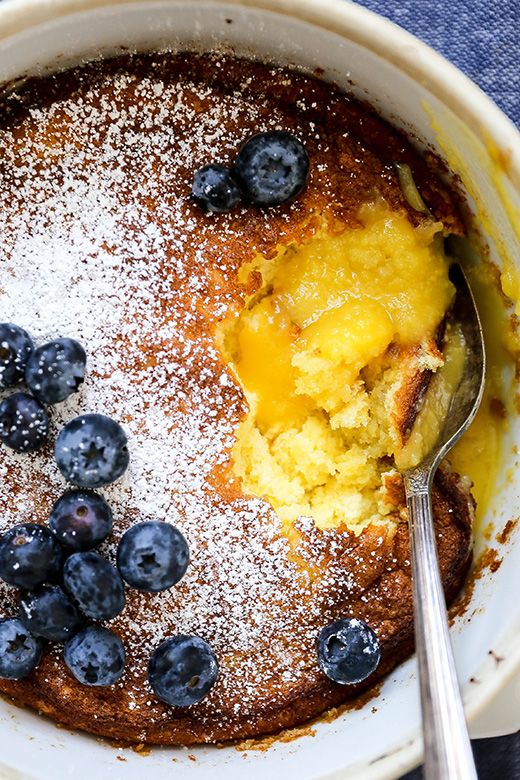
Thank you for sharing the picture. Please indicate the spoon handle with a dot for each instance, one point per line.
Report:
(447, 749)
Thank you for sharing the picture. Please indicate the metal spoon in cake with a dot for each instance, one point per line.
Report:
(453, 399)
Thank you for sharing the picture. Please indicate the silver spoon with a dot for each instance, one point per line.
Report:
(447, 748)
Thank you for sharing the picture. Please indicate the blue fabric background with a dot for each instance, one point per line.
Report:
(482, 38)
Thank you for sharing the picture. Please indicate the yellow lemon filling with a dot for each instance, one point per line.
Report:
(324, 351)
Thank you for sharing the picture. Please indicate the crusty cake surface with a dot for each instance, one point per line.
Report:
(101, 242)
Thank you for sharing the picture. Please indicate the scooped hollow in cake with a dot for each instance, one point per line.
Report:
(264, 409)
(327, 350)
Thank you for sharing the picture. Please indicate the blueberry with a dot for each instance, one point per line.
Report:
(182, 670)
(15, 347)
(95, 656)
(24, 423)
(272, 168)
(215, 188)
(348, 651)
(91, 451)
(152, 556)
(95, 584)
(48, 612)
(20, 652)
(56, 370)
(29, 556)
(80, 520)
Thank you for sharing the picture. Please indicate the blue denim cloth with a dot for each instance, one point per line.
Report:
(482, 38)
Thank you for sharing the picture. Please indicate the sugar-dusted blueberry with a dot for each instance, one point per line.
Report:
(20, 652)
(215, 188)
(48, 612)
(95, 585)
(29, 556)
(348, 651)
(24, 423)
(182, 670)
(92, 451)
(56, 370)
(152, 556)
(95, 656)
(15, 347)
(272, 168)
(80, 519)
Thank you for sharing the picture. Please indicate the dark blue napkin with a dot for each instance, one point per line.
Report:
(496, 759)
(482, 38)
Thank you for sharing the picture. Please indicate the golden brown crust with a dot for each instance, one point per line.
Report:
(383, 599)
(259, 601)
(416, 365)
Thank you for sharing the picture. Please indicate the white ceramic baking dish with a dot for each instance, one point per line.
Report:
(418, 90)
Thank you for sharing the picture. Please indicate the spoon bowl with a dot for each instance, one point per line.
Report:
(466, 400)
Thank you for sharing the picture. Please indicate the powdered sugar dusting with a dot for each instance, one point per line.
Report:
(100, 242)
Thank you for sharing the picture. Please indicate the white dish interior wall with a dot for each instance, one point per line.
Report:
(362, 743)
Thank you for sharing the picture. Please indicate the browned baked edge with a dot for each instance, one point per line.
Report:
(453, 512)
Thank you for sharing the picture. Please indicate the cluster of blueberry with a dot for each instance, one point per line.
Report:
(151, 556)
(91, 450)
(52, 372)
(64, 583)
(270, 169)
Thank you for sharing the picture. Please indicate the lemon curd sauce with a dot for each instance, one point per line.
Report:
(322, 351)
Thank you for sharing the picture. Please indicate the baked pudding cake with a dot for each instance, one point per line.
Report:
(266, 364)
